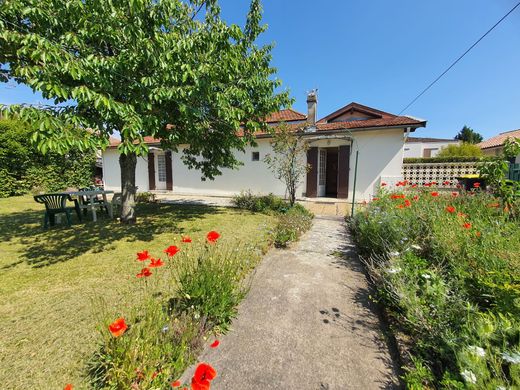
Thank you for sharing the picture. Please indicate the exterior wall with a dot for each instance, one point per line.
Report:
(416, 149)
(380, 159)
(112, 172)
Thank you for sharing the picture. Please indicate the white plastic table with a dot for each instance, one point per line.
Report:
(91, 195)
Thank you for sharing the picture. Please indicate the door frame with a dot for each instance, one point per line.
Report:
(159, 184)
(322, 172)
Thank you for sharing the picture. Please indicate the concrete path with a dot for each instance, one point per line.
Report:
(307, 323)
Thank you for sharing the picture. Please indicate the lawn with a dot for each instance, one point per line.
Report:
(51, 281)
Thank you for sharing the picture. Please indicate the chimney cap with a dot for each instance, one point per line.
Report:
(312, 95)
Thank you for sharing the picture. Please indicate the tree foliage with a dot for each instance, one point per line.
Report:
(288, 159)
(24, 168)
(168, 69)
(463, 150)
(467, 134)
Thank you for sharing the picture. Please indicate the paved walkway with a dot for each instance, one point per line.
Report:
(307, 323)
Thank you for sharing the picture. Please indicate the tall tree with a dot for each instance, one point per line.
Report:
(169, 69)
(467, 134)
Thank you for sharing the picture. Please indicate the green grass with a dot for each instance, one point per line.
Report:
(50, 280)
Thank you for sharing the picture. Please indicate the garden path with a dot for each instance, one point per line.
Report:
(307, 322)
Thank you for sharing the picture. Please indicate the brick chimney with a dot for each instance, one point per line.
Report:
(312, 101)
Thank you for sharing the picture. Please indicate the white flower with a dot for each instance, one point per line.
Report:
(394, 270)
(511, 357)
(394, 254)
(165, 329)
(469, 376)
(426, 276)
(479, 351)
(416, 247)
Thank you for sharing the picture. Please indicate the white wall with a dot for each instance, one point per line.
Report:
(416, 149)
(112, 172)
(380, 159)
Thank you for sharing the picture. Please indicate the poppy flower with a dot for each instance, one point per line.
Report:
(459, 186)
(476, 185)
(203, 376)
(446, 182)
(454, 194)
(215, 344)
(118, 327)
(407, 203)
(450, 209)
(467, 225)
(176, 384)
(383, 184)
(414, 185)
(434, 183)
(68, 387)
(143, 256)
(154, 263)
(416, 197)
(495, 205)
(478, 234)
(145, 272)
(154, 375)
(171, 250)
(462, 215)
(212, 236)
(374, 199)
(427, 184)
(434, 193)
(400, 206)
(186, 239)
(397, 196)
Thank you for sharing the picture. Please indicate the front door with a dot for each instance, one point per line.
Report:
(160, 171)
(322, 172)
(331, 188)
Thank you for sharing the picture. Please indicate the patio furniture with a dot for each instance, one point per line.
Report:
(57, 204)
(93, 205)
(84, 200)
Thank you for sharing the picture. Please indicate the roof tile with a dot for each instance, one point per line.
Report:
(499, 140)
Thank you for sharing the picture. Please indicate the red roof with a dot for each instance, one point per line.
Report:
(369, 112)
(287, 115)
(499, 139)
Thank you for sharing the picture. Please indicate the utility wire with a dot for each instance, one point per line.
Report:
(458, 59)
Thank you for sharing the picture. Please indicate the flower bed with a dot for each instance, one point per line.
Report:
(446, 266)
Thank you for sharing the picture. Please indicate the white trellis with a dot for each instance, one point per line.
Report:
(423, 173)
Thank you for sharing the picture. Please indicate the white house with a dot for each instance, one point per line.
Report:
(495, 145)
(375, 137)
(425, 147)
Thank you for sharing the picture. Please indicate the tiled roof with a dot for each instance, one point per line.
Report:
(286, 115)
(374, 113)
(369, 123)
(430, 140)
(499, 140)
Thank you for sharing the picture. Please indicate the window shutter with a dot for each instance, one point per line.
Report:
(312, 174)
(343, 171)
(151, 172)
(169, 175)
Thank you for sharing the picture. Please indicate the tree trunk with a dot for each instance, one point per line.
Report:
(127, 163)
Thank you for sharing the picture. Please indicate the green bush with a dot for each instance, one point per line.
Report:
(462, 150)
(291, 225)
(417, 160)
(145, 197)
(446, 267)
(260, 203)
(24, 169)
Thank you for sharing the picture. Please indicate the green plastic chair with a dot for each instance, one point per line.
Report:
(57, 204)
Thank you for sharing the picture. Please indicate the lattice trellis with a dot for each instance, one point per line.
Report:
(422, 173)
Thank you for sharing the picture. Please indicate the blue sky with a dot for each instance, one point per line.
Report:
(383, 53)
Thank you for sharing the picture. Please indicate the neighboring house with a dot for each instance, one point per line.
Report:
(495, 145)
(333, 141)
(425, 147)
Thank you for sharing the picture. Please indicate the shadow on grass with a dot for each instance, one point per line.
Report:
(61, 243)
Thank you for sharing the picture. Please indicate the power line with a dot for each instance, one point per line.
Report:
(458, 59)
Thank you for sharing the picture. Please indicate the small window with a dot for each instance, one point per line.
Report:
(255, 156)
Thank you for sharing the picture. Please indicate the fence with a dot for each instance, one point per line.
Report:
(514, 172)
(422, 173)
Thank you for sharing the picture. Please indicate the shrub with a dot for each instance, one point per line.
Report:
(437, 159)
(260, 203)
(446, 268)
(145, 197)
(462, 150)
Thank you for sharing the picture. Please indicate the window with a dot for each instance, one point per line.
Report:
(255, 156)
(323, 167)
(161, 167)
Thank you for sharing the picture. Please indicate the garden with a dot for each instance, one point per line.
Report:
(445, 266)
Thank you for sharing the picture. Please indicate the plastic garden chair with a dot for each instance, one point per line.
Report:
(57, 204)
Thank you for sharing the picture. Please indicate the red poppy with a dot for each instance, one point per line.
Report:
(397, 196)
(145, 272)
(454, 194)
(215, 344)
(171, 250)
(462, 215)
(495, 205)
(467, 225)
(186, 239)
(446, 182)
(478, 234)
(414, 185)
(450, 209)
(434, 183)
(459, 185)
(383, 184)
(427, 184)
(434, 193)
(416, 197)
(154, 375)
(400, 206)
(407, 203)
(203, 376)
(476, 185)
(68, 387)
(374, 199)
(142, 256)
(176, 384)
(212, 236)
(118, 327)
(154, 263)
